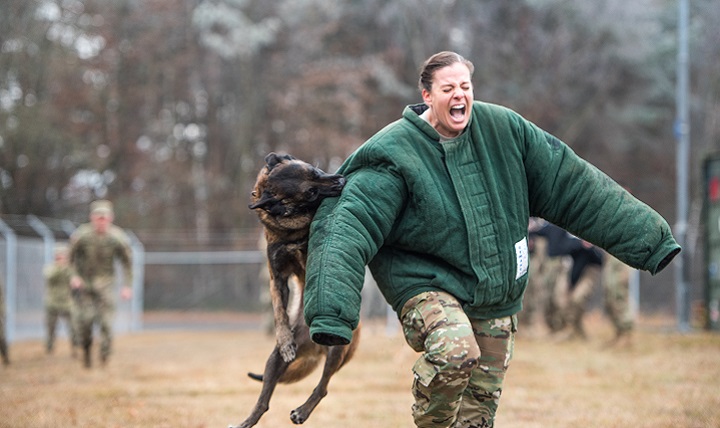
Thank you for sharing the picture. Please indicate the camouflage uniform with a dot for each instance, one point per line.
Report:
(557, 283)
(585, 274)
(579, 298)
(3, 340)
(616, 283)
(550, 271)
(458, 378)
(58, 301)
(92, 256)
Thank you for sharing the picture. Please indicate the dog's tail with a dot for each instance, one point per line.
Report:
(257, 377)
(297, 370)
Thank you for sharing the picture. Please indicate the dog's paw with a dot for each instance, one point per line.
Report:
(288, 351)
(298, 416)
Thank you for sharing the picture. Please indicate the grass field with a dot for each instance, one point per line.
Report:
(197, 379)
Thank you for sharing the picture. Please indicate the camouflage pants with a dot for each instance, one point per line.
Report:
(617, 305)
(556, 286)
(458, 378)
(579, 298)
(52, 314)
(95, 307)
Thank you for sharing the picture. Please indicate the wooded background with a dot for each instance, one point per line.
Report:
(168, 107)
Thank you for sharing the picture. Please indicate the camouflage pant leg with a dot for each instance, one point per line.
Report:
(617, 305)
(84, 317)
(95, 307)
(496, 339)
(51, 318)
(73, 325)
(106, 314)
(579, 297)
(75, 309)
(435, 324)
(557, 281)
(54, 313)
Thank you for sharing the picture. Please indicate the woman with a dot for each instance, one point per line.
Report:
(437, 203)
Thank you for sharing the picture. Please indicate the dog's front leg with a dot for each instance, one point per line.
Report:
(280, 294)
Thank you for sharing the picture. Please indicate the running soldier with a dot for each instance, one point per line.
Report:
(58, 298)
(587, 263)
(94, 248)
(616, 283)
(553, 270)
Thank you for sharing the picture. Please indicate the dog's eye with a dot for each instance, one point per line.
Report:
(254, 193)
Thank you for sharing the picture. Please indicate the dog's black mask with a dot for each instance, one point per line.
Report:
(293, 187)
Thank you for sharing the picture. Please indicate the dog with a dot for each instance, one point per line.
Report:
(286, 195)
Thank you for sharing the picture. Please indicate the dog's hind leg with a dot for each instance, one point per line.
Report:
(334, 360)
(275, 367)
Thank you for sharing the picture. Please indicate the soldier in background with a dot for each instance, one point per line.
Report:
(554, 271)
(539, 274)
(616, 284)
(94, 249)
(58, 298)
(586, 272)
(3, 340)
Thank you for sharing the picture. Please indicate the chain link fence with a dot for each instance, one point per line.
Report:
(26, 247)
(185, 280)
(166, 282)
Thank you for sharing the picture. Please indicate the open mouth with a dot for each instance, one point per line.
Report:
(340, 184)
(337, 187)
(457, 111)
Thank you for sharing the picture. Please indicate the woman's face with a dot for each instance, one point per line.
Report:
(450, 99)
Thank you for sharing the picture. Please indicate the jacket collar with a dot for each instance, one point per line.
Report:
(412, 113)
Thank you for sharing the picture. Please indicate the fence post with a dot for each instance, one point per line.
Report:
(138, 268)
(10, 278)
(46, 234)
(68, 227)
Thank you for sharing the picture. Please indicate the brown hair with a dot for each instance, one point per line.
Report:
(438, 61)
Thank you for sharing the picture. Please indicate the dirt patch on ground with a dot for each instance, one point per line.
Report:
(192, 378)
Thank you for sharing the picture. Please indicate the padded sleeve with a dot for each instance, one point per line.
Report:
(345, 235)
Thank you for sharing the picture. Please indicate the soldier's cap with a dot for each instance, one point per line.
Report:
(101, 207)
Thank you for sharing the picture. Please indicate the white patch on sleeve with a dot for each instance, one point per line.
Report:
(522, 258)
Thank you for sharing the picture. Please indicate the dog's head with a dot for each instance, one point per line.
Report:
(290, 188)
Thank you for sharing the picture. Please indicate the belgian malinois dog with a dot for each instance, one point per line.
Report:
(286, 196)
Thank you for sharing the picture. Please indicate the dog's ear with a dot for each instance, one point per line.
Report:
(272, 159)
